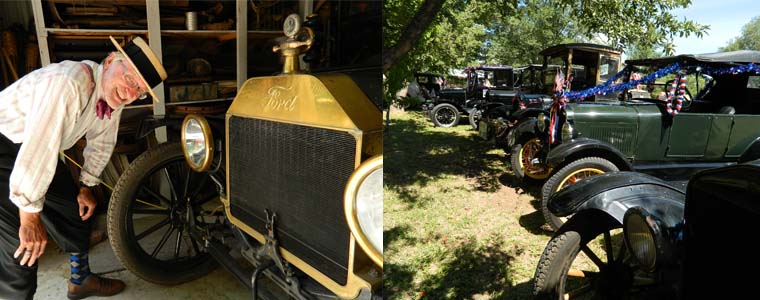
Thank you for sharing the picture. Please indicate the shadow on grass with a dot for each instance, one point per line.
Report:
(473, 272)
(417, 155)
(530, 187)
(397, 233)
(397, 278)
(534, 223)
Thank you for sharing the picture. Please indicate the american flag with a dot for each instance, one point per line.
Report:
(559, 81)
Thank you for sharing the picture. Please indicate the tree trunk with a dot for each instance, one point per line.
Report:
(414, 30)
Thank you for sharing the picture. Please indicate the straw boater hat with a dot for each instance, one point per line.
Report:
(147, 64)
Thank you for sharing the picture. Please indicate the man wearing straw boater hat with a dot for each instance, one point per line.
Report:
(42, 114)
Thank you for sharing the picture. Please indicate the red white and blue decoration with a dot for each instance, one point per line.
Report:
(608, 87)
(558, 107)
(675, 95)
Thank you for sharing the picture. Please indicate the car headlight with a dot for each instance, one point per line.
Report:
(643, 236)
(197, 142)
(567, 132)
(363, 201)
(541, 122)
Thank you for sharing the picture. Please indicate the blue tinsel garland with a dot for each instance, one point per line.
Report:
(607, 87)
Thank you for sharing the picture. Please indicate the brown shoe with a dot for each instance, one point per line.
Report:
(95, 286)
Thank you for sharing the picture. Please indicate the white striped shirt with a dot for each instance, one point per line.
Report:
(48, 111)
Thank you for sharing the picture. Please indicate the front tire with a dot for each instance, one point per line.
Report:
(523, 156)
(139, 202)
(445, 115)
(475, 116)
(578, 264)
(571, 173)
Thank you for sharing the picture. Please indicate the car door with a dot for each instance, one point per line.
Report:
(689, 135)
(745, 130)
(746, 126)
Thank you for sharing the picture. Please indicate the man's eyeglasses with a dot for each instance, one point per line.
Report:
(132, 82)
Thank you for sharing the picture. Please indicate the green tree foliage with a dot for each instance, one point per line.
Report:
(639, 52)
(748, 40)
(517, 38)
(467, 32)
(453, 40)
(632, 22)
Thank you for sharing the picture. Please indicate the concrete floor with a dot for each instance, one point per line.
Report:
(54, 273)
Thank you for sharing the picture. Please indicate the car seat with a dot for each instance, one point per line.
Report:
(727, 110)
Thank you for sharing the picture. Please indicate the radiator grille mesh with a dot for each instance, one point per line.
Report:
(622, 137)
(298, 172)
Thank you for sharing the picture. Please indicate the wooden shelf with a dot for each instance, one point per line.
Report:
(195, 102)
(93, 32)
(166, 33)
(221, 34)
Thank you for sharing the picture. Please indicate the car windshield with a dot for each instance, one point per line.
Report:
(659, 89)
(503, 78)
(608, 67)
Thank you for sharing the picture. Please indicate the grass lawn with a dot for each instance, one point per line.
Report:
(457, 223)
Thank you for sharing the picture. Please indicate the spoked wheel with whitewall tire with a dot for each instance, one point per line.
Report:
(588, 259)
(475, 116)
(575, 171)
(156, 205)
(525, 161)
(445, 115)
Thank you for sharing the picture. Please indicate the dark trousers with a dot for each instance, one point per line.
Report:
(60, 215)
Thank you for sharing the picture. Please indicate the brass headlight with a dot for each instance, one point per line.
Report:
(642, 234)
(197, 142)
(567, 132)
(364, 207)
(541, 122)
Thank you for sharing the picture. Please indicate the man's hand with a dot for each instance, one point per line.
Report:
(86, 202)
(33, 237)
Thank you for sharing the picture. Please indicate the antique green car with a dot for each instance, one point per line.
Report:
(284, 188)
(583, 65)
(645, 131)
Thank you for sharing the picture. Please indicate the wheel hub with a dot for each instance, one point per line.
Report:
(180, 215)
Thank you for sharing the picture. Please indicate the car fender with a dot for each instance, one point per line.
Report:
(491, 105)
(530, 112)
(614, 193)
(525, 126)
(587, 147)
(751, 153)
(150, 123)
(457, 105)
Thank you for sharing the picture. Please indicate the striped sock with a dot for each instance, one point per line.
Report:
(80, 267)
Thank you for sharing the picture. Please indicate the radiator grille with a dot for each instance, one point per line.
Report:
(621, 136)
(300, 173)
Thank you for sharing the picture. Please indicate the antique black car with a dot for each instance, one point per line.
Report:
(644, 132)
(431, 83)
(583, 65)
(496, 119)
(284, 188)
(427, 88)
(633, 236)
(485, 83)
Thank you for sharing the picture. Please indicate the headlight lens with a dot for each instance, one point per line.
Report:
(640, 229)
(364, 207)
(369, 208)
(197, 142)
(567, 132)
(541, 122)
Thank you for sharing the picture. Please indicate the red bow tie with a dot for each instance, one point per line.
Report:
(102, 109)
